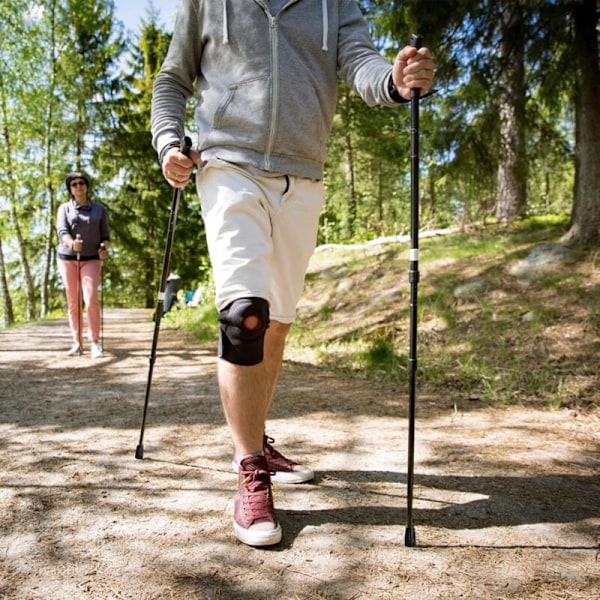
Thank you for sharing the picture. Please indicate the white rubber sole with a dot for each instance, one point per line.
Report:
(294, 476)
(258, 537)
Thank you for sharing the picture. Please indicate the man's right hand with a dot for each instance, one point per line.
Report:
(177, 167)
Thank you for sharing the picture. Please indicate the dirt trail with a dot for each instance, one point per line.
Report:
(507, 500)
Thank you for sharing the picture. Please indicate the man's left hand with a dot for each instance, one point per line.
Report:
(413, 69)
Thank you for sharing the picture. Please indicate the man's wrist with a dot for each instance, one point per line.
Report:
(396, 97)
(393, 92)
(165, 149)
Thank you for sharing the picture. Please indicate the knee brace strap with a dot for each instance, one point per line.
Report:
(242, 331)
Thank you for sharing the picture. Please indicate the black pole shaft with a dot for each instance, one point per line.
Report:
(79, 298)
(413, 277)
(102, 301)
(185, 148)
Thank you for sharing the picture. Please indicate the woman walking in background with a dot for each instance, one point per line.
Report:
(84, 234)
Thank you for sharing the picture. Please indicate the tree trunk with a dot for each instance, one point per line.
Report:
(6, 300)
(512, 168)
(380, 203)
(48, 178)
(431, 187)
(11, 196)
(585, 217)
(349, 167)
(151, 285)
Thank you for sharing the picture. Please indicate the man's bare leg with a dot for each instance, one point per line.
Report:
(274, 347)
(247, 392)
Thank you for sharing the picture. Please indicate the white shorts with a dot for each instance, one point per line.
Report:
(261, 232)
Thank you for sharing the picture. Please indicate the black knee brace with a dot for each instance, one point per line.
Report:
(242, 331)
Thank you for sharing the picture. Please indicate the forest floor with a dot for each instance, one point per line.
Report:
(506, 498)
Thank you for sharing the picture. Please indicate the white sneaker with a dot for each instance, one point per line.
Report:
(75, 350)
(96, 350)
(254, 519)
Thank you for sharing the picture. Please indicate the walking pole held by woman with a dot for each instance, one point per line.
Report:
(84, 237)
(103, 250)
(77, 246)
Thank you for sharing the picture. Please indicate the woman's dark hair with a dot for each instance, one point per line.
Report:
(76, 175)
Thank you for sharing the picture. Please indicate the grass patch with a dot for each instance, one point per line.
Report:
(510, 343)
(199, 324)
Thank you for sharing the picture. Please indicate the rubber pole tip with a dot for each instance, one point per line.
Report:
(410, 538)
(139, 452)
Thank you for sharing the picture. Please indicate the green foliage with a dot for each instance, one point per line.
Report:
(502, 346)
(365, 176)
(198, 324)
(85, 103)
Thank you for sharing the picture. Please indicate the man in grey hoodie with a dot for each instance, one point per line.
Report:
(264, 73)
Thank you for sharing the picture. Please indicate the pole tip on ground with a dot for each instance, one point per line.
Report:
(139, 452)
(410, 538)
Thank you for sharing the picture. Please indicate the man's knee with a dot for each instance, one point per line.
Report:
(242, 331)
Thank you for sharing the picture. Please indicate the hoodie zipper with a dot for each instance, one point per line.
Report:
(275, 86)
(274, 89)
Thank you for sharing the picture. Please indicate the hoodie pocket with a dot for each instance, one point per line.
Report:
(245, 117)
(243, 113)
(300, 128)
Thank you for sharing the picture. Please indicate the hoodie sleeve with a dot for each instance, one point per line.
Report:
(174, 84)
(104, 225)
(359, 63)
(62, 225)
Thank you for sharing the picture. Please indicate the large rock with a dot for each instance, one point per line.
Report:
(471, 288)
(539, 262)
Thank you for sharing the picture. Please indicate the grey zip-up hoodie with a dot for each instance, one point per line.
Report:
(266, 84)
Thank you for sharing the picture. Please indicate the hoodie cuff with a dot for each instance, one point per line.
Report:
(396, 97)
(165, 149)
(393, 92)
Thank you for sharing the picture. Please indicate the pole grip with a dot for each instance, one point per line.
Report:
(186, 145)
(416, 41)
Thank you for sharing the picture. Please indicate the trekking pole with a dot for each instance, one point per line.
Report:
(186, 145)
(102, 247)
(79, 301)
(413, 277)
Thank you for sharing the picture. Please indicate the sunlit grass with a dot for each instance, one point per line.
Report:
(493, 347)
(199, 323)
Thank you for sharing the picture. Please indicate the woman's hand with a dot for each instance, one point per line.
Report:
(77, 244)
